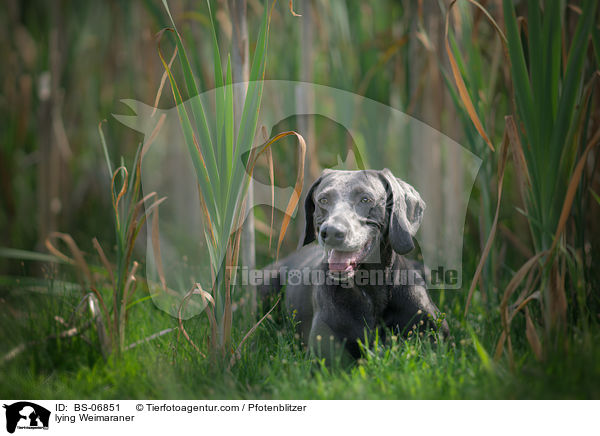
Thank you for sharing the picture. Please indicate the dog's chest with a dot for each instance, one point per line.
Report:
(378, 298)
(358, 302)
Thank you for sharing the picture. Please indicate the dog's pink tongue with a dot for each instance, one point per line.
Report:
(341, 260)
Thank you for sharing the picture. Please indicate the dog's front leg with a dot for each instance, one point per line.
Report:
(328, 344)
(335, 334)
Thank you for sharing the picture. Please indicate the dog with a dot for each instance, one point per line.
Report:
(358, 224)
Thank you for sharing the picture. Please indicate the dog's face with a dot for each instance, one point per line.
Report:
(351, 213)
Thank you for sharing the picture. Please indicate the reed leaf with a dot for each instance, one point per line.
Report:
(224, 169)
(462, 89)
(205, 140)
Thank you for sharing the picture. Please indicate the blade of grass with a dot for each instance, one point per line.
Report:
(104, 260)
(163, 80)
(572, 189)
(520, 77)
(512, 286)
(180, 319)
(229, 129)
(194, 149)
(532, 336)
(490, 240)
(272, 183)
(291, 6)
(462, 89)
(156, 251)
(123, 308)
(293, 202)
(205, 140)
(596, 43)
(535, 52)
(234, 356)
(153, 135)
(78, 258)
(14, 253)
(248, 123)
(571, 83)
(219, 91)
(550, 61)
(105, 149)
(115, 200)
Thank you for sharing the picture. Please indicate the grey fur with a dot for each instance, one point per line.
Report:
(354, 212)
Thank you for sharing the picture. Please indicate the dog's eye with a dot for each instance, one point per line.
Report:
(323, 200)
(366, 200)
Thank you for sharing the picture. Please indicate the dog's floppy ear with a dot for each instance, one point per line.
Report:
(309, 211)
(405, 208)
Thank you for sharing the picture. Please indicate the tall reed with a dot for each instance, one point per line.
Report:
(550, 139)
(224, 163)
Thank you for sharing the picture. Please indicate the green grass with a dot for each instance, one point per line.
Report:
(273, 364)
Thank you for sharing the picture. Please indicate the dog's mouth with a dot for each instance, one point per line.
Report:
(348, 261)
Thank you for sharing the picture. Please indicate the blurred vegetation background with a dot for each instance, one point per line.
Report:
(67, 64)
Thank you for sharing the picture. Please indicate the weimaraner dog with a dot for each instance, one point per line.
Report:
(354, 279)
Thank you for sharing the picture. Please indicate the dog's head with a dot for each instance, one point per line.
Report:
(351, 213)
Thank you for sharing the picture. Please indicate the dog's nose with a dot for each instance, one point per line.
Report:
(332, 234)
